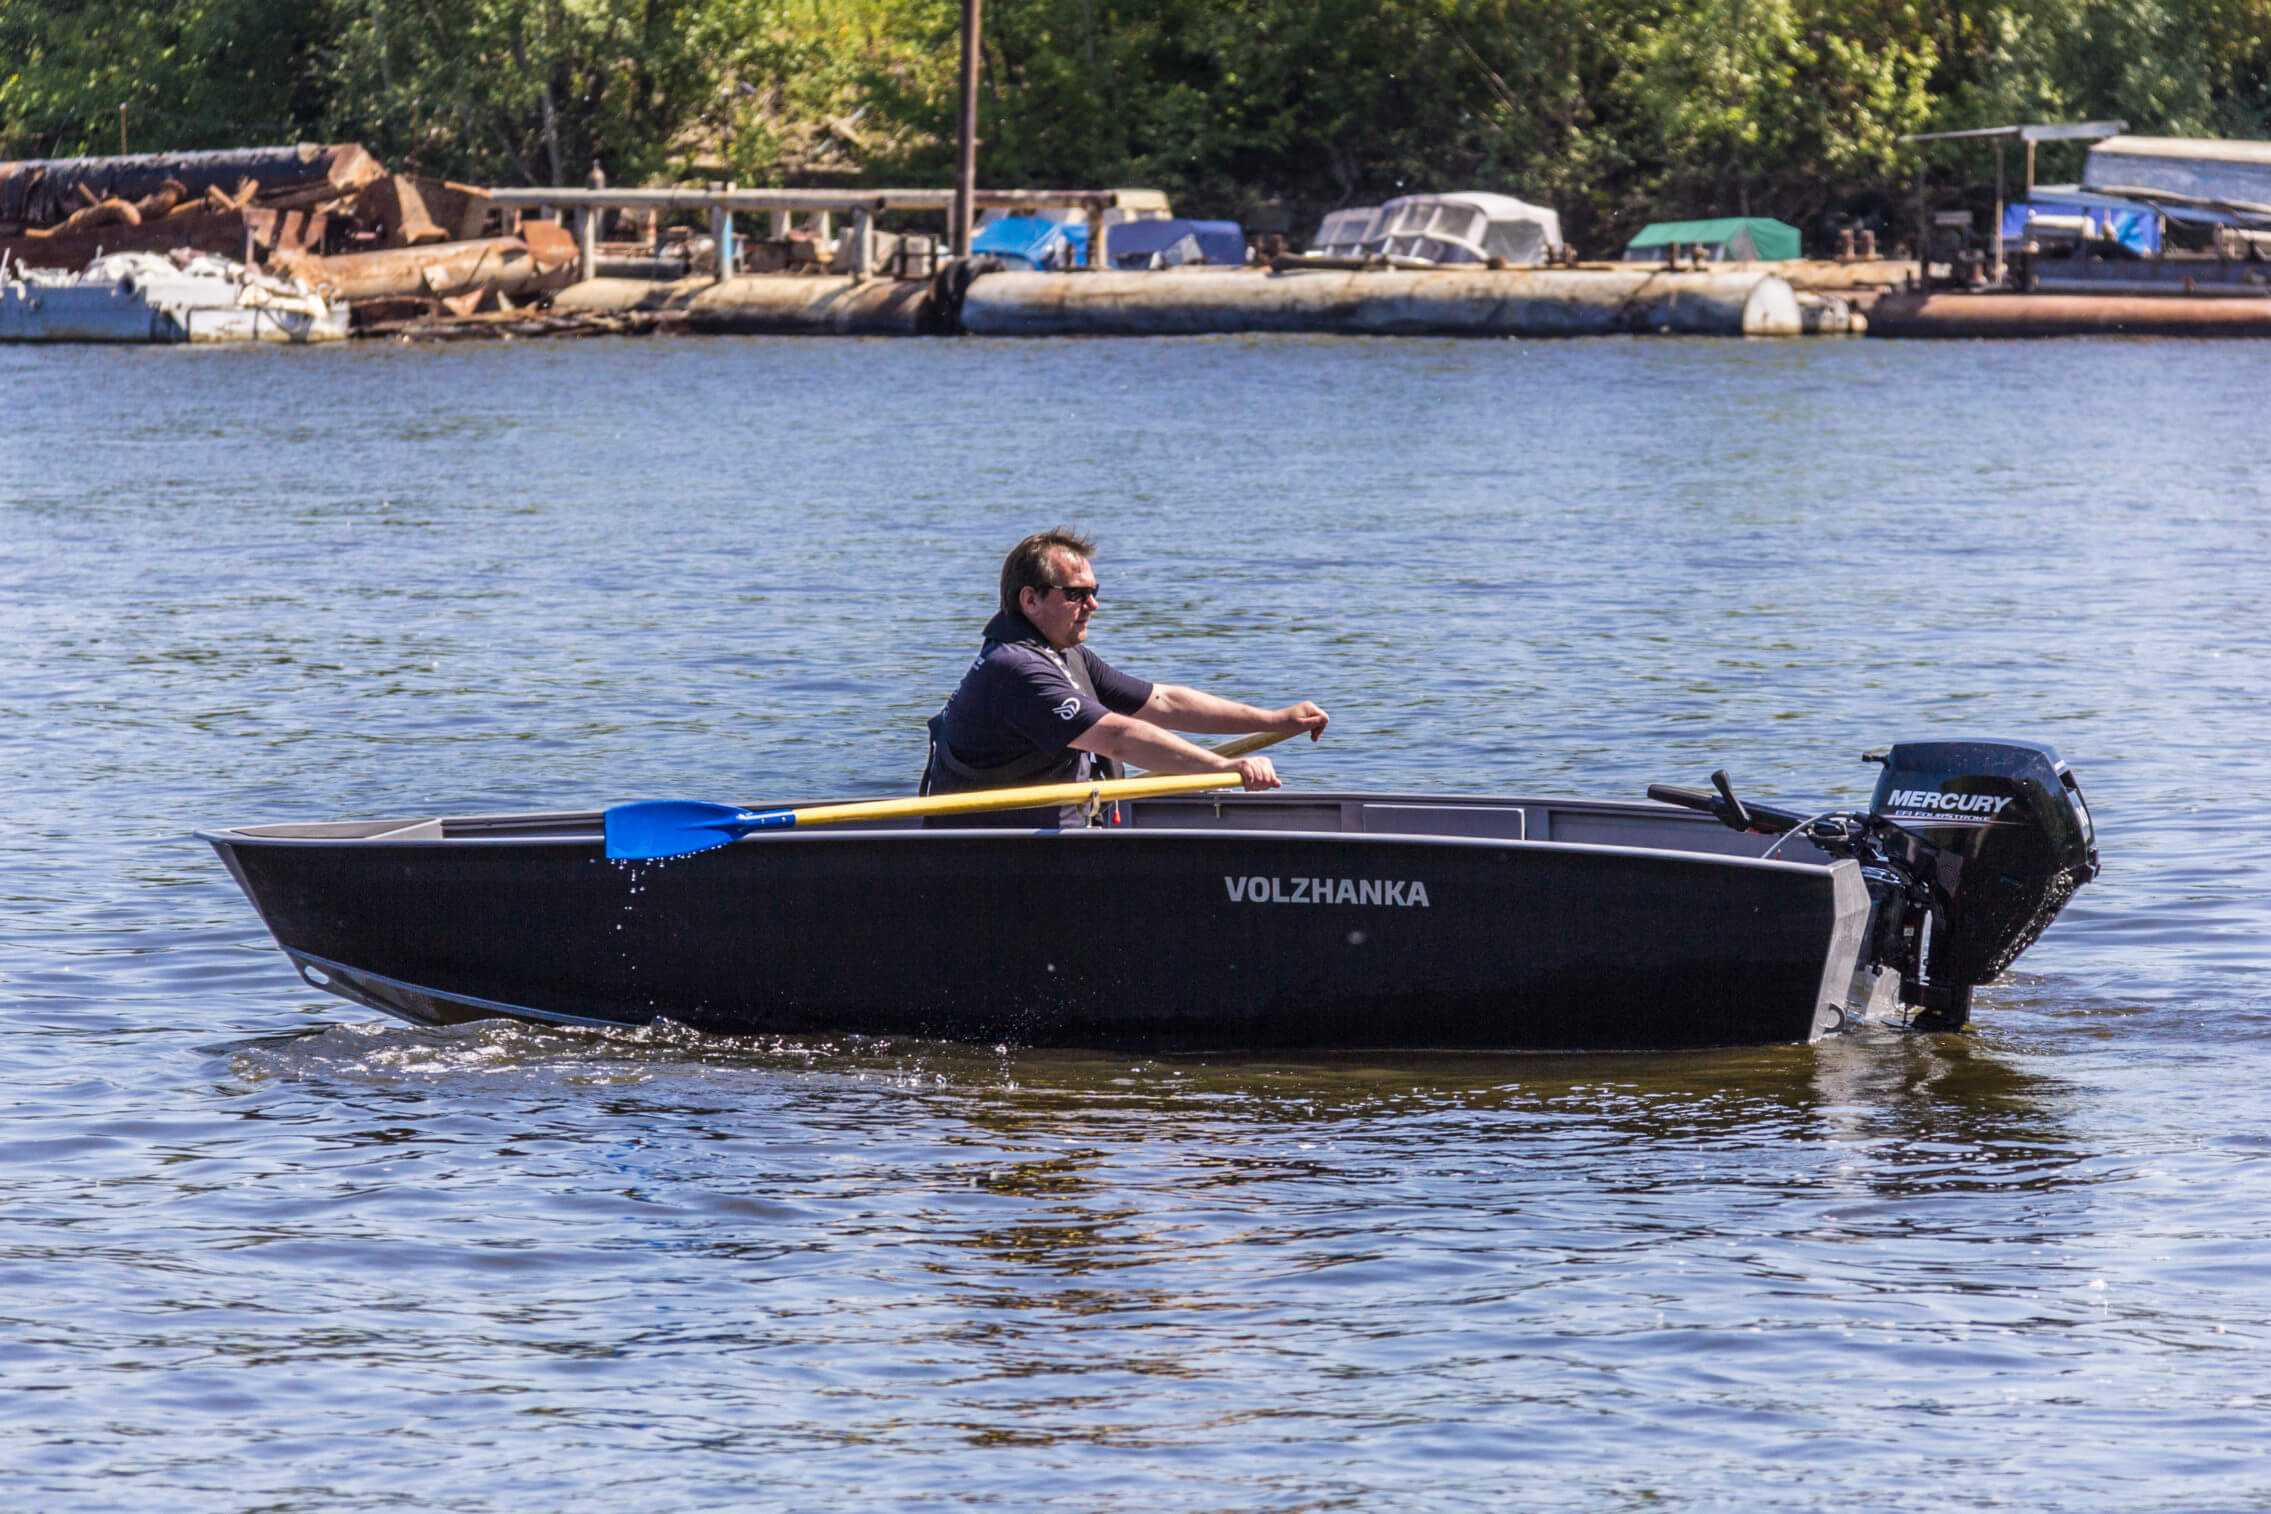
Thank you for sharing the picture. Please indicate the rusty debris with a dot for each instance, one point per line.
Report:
(405, 210)
(507, 325)
(540, 259)
(403, 250)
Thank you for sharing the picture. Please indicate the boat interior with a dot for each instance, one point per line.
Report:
(1637, 824)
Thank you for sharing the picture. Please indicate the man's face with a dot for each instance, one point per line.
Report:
(1062, 619)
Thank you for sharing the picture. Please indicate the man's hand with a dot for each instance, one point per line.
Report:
(1257, 772)
(1296, 718)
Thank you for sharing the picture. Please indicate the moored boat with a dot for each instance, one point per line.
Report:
(143, 297)
(1230, 922)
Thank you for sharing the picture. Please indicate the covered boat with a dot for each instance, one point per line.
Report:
(1173, 242)
(1054, 238)
(1033, 243)
(1429, 231)
(1728, 239)
(1214, 922)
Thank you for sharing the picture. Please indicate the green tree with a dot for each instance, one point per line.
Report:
(219, 73)
(1613, 111)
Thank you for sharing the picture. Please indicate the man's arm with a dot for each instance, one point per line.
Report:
(1182, 709)
(1126, 739)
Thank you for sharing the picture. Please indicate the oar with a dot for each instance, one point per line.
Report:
(681, 827)
(1253, 743)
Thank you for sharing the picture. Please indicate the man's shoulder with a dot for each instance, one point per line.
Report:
(1016, 671)
(1018, 657)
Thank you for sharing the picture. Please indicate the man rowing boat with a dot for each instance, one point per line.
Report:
(1038, 706)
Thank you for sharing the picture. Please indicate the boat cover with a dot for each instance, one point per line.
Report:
(1171, 243)
(1436, 229)
(2135, 227)
(1730, 239)
(1035, 242)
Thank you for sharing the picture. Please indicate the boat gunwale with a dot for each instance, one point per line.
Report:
(231, 836)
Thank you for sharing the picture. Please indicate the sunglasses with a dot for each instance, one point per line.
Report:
(1079, 594)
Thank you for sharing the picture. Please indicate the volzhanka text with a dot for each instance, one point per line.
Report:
(1394, 891)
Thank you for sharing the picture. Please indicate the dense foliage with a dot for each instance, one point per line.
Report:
(1612, 110)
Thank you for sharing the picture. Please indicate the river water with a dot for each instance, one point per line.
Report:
(260, 1250)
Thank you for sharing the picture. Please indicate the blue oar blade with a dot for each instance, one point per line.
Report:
(674, 828)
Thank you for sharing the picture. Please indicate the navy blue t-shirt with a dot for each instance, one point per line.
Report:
(1017, 699)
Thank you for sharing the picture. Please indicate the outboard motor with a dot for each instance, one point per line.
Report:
(1987, 841)
(1969, 849)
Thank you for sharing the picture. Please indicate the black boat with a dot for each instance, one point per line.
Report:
(1230, 922)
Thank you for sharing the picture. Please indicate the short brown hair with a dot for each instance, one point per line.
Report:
(1027, 566)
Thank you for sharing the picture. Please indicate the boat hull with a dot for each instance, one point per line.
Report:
(1157, 940)
(181, 310)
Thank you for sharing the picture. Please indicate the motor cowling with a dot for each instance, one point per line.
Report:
(1989, 839)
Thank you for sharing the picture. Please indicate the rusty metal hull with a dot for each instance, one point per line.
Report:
(794, 305)
(767, 304)
(509, 264)
(2042, 315)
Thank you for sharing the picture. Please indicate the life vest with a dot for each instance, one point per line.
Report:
(946, 773)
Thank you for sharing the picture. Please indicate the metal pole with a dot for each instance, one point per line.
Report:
(966, 150)
(1923, 229)
(587, 228)
(1998, 210)
(721, 227)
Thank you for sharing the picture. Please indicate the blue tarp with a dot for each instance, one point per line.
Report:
(1034, 241)
(1133, 243)
(2134, 227)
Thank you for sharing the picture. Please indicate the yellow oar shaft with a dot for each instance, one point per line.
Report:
(1103, 791)
(1253, 743)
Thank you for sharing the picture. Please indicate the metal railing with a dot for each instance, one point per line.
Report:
(862, 205)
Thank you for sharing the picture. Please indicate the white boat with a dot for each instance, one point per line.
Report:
(147, 297)
(1426, 231)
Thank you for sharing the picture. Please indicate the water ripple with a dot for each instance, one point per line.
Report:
(258, 1251)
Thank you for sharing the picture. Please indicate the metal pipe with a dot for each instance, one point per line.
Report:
(966, 145)
(1451, 302)
(823, 306)
(448, 268)
(2025, 315)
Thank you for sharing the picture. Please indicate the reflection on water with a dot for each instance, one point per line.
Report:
(259, 1251)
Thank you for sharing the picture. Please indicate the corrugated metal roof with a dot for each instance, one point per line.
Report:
(2206, 149)
(2192, 172)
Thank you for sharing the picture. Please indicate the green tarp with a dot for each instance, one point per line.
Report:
(1743, 239)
